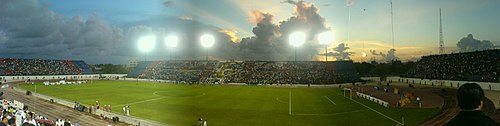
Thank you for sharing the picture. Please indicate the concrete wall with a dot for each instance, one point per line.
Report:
(444, 83)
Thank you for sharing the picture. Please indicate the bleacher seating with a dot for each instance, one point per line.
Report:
(471, 66)
(250, 72)
(139, 69)
(18, 67)
(84, 67)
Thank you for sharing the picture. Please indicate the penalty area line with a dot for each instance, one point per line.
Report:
(153, 99)
(330, 100)
(332, 114)
(370, 109)
(378, 112)
(290, 103)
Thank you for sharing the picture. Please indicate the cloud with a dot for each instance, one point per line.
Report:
(256, 17)
(3, 37)
(30, 30)
(272, 40)
(469, 43)
(290, 2)
(185, 17)
(168, 3)
(266, 35)
(390, 56)
(34, 31)
(231, 33)
(341, 52)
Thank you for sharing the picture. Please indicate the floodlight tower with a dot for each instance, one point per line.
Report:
(171, 42)
(207, 41)
(146, 44)
(326, 38)
(441, 39)
(296, 39)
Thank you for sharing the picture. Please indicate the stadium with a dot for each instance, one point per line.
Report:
(85, 70)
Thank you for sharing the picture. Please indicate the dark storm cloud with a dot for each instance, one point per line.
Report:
(469, 43)
(272, 40)
(341, 52)
(34, 31)
(266, 35)
(30, 30)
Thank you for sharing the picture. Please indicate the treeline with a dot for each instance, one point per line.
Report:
(374, 69)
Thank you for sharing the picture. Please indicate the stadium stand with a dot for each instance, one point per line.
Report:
(141, 67)
(84, 67)
(483, 66)
(250, 72)
(19, 67)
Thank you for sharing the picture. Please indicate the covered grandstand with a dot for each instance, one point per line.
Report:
(23, 67)
(250, 72)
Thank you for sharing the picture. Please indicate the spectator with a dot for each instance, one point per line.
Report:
(470, 99)
(471, 66)
(4, 121)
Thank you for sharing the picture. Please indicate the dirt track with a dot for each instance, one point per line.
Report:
(432, 97)
(55, 111)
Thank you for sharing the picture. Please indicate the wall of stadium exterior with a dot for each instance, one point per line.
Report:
(445, 83)
(58, 77)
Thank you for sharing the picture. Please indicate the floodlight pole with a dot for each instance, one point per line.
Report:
(326, 53)
(206, 54)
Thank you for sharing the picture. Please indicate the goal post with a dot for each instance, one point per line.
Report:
(349, 91)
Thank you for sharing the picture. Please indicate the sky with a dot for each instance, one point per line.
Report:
(99, 31)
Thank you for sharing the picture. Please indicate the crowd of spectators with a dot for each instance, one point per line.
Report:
(18, 67)
(14, 114)
(471, 66)
(252, 72)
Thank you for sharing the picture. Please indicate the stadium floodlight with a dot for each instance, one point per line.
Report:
(146, 44)
(207, 41)
(296, 39)
(171, 41)
(326, 38)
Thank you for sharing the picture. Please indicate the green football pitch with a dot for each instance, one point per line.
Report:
(235, 105)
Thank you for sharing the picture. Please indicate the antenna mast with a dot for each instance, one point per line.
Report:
(392, 26)
(441, 39)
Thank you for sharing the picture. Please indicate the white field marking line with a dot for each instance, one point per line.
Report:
(153, 99)
(278, 100)
(331, 114)
(330, 100)
(290, 103)
(156, 93)
(139, 102)
(373, 110)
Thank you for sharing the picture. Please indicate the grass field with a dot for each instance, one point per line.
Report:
(234, 105)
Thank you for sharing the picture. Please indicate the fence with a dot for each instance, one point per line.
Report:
(376, 100)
